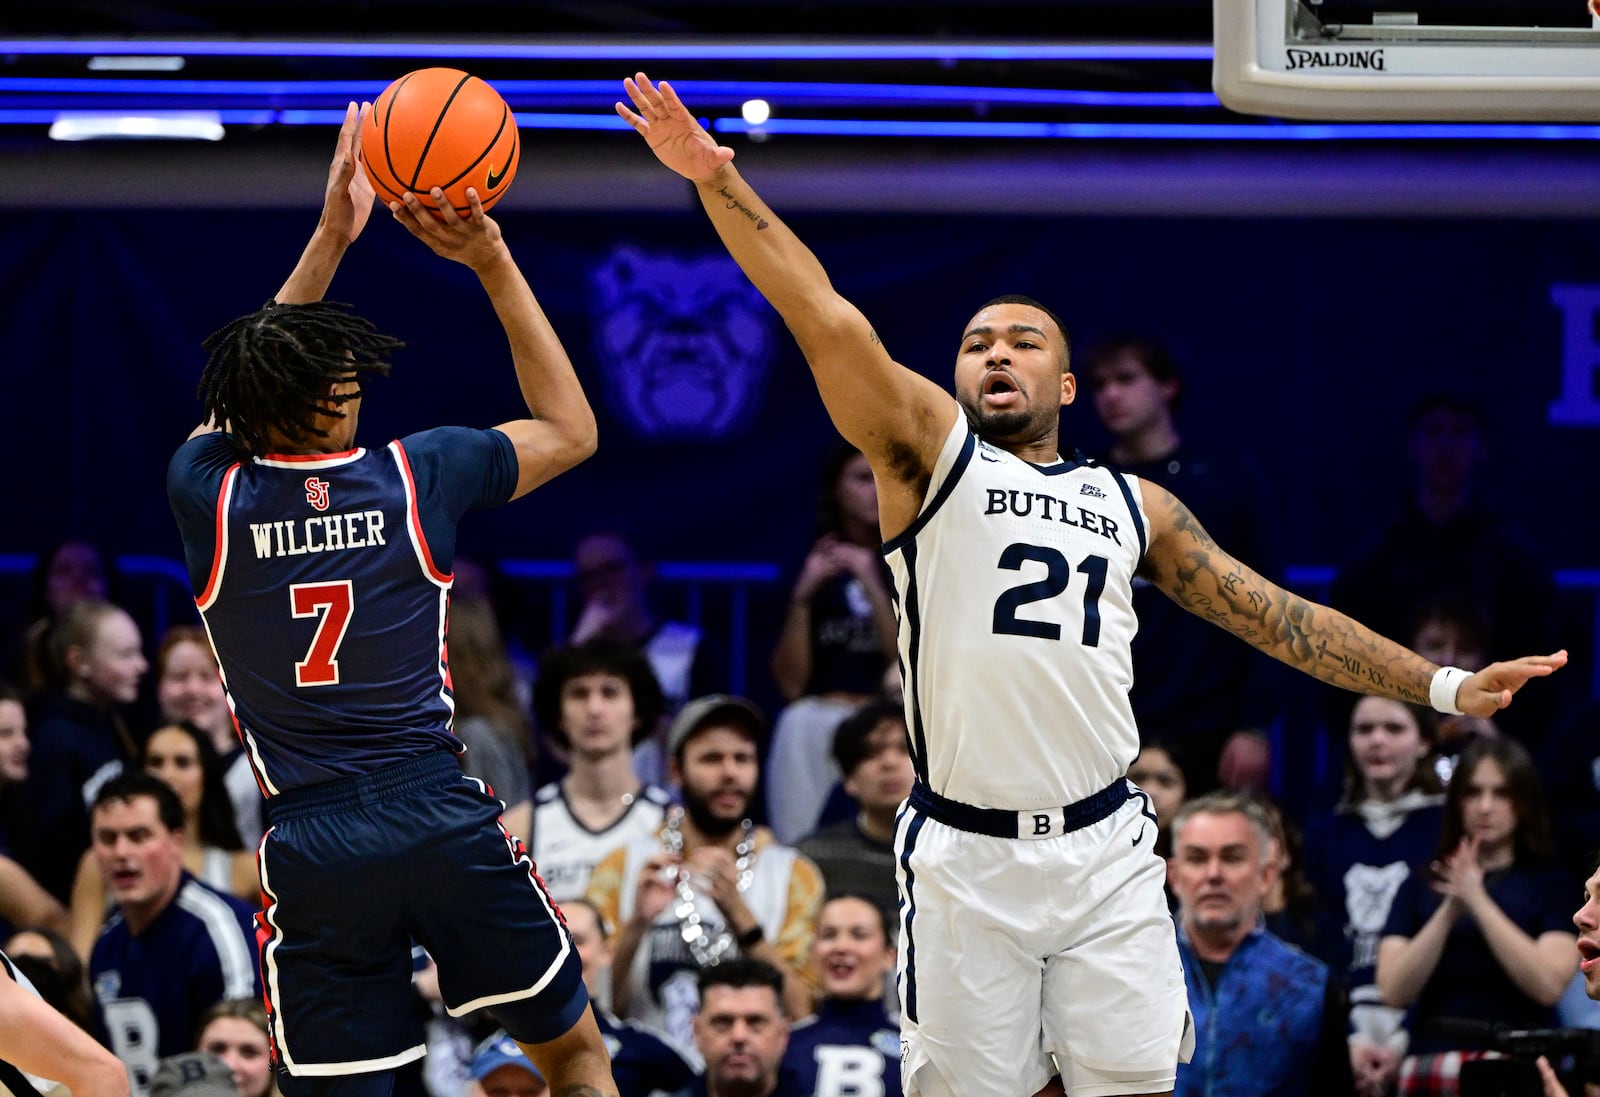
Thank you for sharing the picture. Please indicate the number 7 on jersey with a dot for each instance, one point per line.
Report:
(333, 602)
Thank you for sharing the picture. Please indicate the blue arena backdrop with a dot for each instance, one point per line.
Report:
(1305, 341)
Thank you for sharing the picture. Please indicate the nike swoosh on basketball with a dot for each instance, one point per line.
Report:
(494, 180)
(1140, 838)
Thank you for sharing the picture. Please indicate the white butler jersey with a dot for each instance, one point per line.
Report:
(566, 851)
(1014, 589)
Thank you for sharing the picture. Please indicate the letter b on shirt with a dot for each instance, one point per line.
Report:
(849, 1071)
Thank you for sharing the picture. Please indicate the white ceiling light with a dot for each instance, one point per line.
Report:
(160, 125)
(135, 64)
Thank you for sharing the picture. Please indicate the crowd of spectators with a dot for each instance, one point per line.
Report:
(1436, 890)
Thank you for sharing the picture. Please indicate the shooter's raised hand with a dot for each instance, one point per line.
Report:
(347, 201)
(346, 206)
(474, 240)
(677, 139)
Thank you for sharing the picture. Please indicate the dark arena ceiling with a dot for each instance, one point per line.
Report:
(896, 84)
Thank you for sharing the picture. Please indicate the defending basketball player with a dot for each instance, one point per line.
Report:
(40, 1047)
(1030, 891)
(322, 571)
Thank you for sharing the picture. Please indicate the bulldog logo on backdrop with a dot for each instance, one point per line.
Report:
(685, 343)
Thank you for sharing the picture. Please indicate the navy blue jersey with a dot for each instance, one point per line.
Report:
(153, 988)
(642, 1062)
(1469, 981)
(846, 648)
(697, 1088)
(323, 581)
(849, 1049)
(76, 748)
(1356, 874)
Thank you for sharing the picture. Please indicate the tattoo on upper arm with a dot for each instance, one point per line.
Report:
(873, 335)
(1312, 638)
(750, 214)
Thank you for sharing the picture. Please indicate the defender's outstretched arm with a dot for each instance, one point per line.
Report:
(895, 416)
(1188, 565)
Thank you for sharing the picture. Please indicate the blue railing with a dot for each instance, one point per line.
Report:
(713, 595)
(709, 594)
(693, 581)
(159, 587)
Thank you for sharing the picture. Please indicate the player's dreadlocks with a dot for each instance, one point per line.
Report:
(269, 373)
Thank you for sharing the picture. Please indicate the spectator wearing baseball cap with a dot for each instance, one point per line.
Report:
(710, 885)
(715, 710)
(192, 1074)
(499, 1069)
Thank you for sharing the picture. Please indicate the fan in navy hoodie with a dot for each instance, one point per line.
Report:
(852, 1045)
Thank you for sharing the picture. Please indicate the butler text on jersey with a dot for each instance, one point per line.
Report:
(1021, 504)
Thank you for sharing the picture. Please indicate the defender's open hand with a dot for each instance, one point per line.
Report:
(1490, 689)
(677, 139)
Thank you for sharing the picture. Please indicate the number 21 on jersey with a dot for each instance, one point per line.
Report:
(1058, 576)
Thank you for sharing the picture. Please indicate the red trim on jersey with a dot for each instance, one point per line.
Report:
(521, 855)
(414, 517)
(265, 933)
(292, 457)
(249, 759)
(219, 549)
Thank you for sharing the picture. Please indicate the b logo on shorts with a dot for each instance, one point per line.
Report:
(1041, 824)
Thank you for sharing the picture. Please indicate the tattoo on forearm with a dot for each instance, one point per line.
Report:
(734, 203)
(1312, 638)
(1354, 666)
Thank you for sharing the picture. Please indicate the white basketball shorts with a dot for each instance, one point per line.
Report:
(1013, 950)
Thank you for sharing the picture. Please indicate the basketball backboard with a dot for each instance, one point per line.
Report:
(1409, 60)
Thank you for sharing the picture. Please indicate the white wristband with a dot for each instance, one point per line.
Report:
(1442, 690)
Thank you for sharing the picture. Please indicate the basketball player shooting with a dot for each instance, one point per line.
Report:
(322, 571)
(1029, 883)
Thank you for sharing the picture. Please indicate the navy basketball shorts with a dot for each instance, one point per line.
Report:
(354, 870)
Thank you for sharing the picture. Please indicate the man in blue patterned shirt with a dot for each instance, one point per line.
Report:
(1269, 1020)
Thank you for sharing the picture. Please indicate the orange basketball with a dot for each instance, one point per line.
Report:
(440, 128)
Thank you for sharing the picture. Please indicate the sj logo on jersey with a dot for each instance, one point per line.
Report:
(317, 492)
